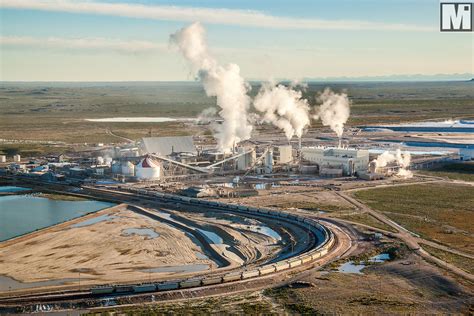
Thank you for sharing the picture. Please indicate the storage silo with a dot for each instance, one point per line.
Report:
(128, 168)
(148, 169)
(269, 161)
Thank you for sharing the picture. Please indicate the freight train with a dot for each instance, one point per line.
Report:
(302, 259)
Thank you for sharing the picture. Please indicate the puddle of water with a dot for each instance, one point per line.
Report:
(351, 267)
(140, 231)
(264, 230)
(213, 237)
(91, 221)
(179, 268)
(9, 188)
(7, 283)
(380, 258)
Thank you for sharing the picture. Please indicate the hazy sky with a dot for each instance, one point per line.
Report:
(104, 40)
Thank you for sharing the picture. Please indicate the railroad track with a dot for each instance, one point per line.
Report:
(320, 241)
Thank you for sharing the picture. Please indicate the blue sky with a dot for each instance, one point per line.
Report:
(105, 40)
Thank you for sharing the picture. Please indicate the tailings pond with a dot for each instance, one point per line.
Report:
(22, 214)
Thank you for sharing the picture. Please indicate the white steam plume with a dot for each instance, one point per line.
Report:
(207, 116)
(223, 82)
(403, 160)
(334, 111)
(284, 107)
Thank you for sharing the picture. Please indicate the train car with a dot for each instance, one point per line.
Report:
(282, 266)
(233, 276)
(267, 269)
(186, 199)
(141, 288)
(123, 288)
(250, 274)
(169, 285)
(243, 208)
(263, 211)
(306, 259)
(316, 255)
(213, 280)
(105, 289)
(292, 216)
(294, 262)
(300, 219)
(190, 283)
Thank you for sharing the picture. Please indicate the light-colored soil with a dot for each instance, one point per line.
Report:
(100, 252)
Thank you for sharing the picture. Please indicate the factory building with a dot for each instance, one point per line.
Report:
(166, 146)
(247, 160)
(148, 169)
(466, 154)
(337, 161)
(283, 154)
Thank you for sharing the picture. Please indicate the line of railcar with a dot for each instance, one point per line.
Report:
(290, 263)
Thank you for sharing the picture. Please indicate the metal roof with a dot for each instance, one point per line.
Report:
(164, 146)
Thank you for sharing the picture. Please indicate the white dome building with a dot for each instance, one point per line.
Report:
(148, 169)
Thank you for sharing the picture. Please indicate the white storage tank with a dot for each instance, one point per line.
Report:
(148, 169)
(269, 161)
(128, 168)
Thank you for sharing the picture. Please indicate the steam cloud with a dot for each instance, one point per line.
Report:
(207, 115)
(403, 160)
(223, 82)
(284, 107)
(334, 110)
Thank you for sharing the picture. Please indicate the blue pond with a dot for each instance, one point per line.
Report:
(22, 214)
(9, 188)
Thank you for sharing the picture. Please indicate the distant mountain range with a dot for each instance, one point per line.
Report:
(416, 77)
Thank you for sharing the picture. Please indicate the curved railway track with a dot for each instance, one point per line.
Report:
(320, 241)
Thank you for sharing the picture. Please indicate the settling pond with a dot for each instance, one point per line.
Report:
(22, 214)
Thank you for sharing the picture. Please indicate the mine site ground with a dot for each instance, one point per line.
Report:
(426, 222)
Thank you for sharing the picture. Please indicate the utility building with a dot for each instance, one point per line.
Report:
(348, 160)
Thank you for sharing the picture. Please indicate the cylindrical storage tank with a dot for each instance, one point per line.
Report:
(269, 161)
(147, 169)
(128, 168)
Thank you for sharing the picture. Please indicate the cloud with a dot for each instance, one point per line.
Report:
(95, 43)
(205, 15)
